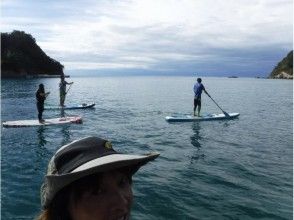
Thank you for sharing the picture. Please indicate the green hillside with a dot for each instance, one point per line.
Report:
(284, 69)
(22, 57)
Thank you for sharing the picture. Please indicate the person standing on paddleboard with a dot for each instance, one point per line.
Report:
(198, 88)
(41, 96)
(62, 89)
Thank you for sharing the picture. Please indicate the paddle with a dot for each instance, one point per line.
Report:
(225, 113)
(68, 88)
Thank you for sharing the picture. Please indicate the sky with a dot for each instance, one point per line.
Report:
(186, 37)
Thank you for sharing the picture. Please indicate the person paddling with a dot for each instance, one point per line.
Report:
(62, 89)
(198, 88)
(41, 96)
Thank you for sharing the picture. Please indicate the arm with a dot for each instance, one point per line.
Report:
(203, 88)
(42, 95)
(206, 93)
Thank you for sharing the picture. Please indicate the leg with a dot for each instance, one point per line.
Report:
(41, 113)
(199, 107)
(40, 108)
(195, 105)
(62, 99)
(40, 117)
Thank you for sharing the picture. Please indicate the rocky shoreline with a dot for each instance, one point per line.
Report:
(284, 69)
(282, 75)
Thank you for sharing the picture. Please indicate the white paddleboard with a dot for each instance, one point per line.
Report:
(51, 121)
(208, 117)
(70, 107)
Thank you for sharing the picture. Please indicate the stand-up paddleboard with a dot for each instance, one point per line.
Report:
(208, 117)
(70, 107)
(51, 121)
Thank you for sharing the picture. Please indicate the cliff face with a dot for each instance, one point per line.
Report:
(284, 69)
(22, 57)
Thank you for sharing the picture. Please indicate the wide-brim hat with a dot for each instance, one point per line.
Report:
(85, 157)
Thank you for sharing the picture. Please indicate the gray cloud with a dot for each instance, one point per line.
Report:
(213, 37)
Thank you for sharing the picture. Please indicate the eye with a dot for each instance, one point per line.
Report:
(124, 181)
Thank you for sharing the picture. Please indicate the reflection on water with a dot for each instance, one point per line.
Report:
(195, 138)
(41, 138)
(65, 131)
(66, 134)
(62, 113)
(41, 150)
(195, 141)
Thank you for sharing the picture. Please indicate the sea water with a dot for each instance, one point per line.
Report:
(231, 169)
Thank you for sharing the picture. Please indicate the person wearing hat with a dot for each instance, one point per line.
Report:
(41, 96)
(198, 88)
(87, 179)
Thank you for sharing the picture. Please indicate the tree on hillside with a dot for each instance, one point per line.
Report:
(20, 53)
(286, 66)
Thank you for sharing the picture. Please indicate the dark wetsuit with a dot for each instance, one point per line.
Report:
(40, 96)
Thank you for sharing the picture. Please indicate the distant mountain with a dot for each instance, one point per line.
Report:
(284, 69)
(22, 57)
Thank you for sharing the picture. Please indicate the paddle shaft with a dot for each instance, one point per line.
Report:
(225, 113)
(68, 89)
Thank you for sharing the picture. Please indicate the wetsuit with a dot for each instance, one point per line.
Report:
(40, 96)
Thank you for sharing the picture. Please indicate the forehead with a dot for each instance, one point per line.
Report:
(112, 175)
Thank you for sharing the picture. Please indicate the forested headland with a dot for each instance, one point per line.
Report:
(284, 69)
(22, 57)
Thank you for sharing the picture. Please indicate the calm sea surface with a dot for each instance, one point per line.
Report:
(237, 169)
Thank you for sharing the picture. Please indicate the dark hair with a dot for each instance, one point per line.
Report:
(199, 80)
(58, 208)
(41, 88)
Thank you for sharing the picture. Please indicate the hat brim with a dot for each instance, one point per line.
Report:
(103, 164)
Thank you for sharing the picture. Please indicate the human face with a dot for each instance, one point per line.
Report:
(110, 199)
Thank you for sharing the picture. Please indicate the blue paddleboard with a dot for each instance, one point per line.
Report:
(209, 117)
(70, 107)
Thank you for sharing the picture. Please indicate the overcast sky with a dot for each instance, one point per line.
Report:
(207, 37)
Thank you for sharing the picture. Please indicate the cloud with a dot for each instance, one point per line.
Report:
(156, 34)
